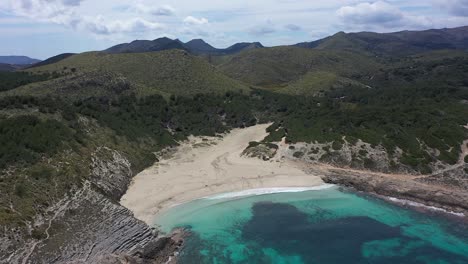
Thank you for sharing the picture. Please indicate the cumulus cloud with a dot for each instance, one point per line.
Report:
(293, 27)
(135, 25)
(64, 12)
(190, 20)
(380, 15)
(366, 13)
(165, 10)
(56, 11)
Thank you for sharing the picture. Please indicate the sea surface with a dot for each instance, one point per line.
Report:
(322, 225)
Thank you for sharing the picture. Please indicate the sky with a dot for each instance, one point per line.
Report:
(44, 28)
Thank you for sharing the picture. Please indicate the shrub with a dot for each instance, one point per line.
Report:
(298, 154)
(337, 145)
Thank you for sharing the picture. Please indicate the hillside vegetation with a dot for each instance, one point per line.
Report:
(278, 67)
(171, 72)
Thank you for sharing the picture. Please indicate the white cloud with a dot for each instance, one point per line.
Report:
(190, 20)
(56, 11)
(65, 12)
(380, 16)
(165, 10)
(134, 25)
(365, 13)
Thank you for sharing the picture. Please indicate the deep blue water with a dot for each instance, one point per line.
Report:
(320, 226)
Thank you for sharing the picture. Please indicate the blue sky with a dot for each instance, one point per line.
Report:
(43, 28)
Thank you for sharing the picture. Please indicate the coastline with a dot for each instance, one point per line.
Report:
(399, 190)
(202, 167)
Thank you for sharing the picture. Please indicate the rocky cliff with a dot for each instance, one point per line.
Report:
(89, 226)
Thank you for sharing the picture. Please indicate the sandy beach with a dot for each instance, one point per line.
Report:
(204, 167)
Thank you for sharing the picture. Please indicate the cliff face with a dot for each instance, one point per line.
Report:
(88, 225)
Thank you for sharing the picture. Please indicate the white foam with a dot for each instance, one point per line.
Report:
(263, 191)
(416, 204)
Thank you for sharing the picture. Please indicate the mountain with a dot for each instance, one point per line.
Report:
(200, 46)
(147, 46)
(238, 47)
(195, 46)
(401, 43)
(53, 59)
(18, 60)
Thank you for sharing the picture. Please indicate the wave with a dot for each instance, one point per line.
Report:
(416, 204)
(263, 191)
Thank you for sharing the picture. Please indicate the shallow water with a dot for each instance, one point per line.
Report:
(315, 226)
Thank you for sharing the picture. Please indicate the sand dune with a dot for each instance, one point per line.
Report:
(201, 168)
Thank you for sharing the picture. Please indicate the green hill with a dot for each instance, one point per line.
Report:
(166, 72)
(279, 67)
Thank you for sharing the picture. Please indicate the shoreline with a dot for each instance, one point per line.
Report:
(401, 190)
(203, 167)
(207, 166)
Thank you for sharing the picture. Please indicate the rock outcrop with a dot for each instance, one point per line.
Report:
(90, 226)
(451, 199)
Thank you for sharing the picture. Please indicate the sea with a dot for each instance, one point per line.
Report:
(325, 224)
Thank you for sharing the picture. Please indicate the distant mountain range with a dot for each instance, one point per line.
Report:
(18, 60)
(394, 44)
(403, 43)
(397, 43)
(53, 59)
(196, 46)
(12, 63)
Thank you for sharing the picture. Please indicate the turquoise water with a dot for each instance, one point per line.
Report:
(320, 226)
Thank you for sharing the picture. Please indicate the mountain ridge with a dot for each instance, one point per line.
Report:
(18, 60)
(400, 43)
(194, 46)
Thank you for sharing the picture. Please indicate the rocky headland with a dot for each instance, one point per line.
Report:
(90, 226)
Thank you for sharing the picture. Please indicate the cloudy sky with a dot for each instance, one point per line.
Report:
(43, 28)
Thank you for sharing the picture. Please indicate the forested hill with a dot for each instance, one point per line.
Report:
(402, 113)
(401, 43)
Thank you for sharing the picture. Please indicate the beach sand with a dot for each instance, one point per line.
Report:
(201, 168)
